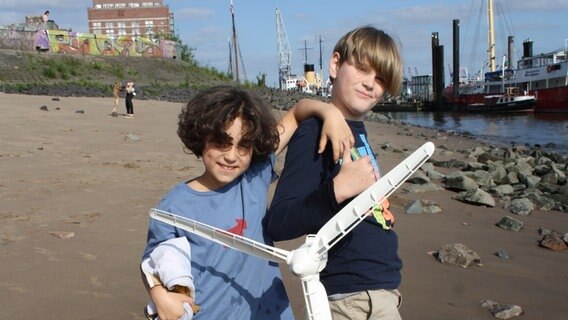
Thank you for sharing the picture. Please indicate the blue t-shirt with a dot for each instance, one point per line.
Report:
(229, 284)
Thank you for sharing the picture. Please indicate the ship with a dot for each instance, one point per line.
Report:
(544, 76)
(510, 102)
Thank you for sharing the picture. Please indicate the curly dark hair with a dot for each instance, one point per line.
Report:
(208, 115)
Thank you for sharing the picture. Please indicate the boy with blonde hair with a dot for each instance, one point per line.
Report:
(363, 270)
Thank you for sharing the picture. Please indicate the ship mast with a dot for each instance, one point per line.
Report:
(235, 42)
(491, 35)
(230, 58)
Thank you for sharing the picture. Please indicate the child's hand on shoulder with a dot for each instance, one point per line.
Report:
(335, 130)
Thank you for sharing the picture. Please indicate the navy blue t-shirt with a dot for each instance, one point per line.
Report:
(304, 200)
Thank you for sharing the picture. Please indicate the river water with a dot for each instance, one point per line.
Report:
(548, 130)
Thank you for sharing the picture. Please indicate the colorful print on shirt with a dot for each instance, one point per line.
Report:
(380, 211)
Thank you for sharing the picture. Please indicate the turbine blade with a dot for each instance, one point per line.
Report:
(223, 237)
(358, 209)
(317, 306)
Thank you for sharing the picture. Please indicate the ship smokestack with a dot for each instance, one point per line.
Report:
(309, 74)
(527, 48)
(510, 50)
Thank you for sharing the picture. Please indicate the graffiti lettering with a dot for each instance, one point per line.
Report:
(63, 41)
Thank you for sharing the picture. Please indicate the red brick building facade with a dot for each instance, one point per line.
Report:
(130, 17)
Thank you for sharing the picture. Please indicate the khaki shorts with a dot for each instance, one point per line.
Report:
(368, 305)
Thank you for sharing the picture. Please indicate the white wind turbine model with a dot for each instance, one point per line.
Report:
(309, 259)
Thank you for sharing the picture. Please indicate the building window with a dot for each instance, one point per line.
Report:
(96, 27)
(108, 25)
(97, 6)
(121, 28)
(147, 4)
(134, 5)
(120, 5)
(108, 5)
(135, 28)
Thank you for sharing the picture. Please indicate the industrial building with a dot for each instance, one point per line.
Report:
(131, 18)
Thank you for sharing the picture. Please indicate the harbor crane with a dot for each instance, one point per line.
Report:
(286, 80)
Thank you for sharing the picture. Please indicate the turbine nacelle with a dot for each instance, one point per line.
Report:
(303, 262)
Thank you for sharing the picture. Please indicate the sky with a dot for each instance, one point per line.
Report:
(205, 26)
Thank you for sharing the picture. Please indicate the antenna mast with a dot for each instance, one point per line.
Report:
(305, 49)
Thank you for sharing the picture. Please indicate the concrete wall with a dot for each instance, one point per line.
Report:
(68, 42)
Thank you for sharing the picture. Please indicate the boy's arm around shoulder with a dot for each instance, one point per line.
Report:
(303, 200)
(335, 129)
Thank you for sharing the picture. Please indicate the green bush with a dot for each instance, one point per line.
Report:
(97, 65)
(50, 72)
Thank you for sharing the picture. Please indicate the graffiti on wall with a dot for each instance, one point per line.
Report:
(69, 42)
(17, 39)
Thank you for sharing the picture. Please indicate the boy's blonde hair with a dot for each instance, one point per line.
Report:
(370, 46)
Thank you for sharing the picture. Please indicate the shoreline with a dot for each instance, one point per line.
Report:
(282, 101)
(501, 130)
(77, 186)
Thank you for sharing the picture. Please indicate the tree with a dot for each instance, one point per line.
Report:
(186, 52)
(261, 80)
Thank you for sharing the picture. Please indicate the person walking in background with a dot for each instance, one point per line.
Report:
(363, 269)
(130, 93)
(238, 138)
(116, 88)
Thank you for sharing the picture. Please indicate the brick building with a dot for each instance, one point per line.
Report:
(130, 17)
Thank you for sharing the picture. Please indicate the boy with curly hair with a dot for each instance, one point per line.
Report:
(237, 137)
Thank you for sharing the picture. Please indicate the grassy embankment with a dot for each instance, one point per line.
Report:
(45, 73)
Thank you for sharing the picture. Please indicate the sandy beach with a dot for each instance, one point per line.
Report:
(76, 185)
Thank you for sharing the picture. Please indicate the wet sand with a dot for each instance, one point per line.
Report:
(79, 175)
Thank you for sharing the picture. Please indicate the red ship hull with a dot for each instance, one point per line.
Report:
(551, 100)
